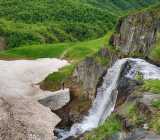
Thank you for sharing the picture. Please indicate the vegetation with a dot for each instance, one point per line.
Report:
(110, 127)
(152, 86)
(74, 51)
(155, 53)
(57, 28)
(47, 21)
(54, 81)
(156, 104)
(130, 111)
(139, 76)
(155, 123)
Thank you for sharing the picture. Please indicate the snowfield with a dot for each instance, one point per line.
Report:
(20, 77)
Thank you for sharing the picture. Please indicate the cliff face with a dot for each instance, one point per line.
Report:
(136, 34)
(90, 71)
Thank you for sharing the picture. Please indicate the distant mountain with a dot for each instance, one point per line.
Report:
(47, 21)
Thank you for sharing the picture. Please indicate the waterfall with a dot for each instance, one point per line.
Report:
(105, 100)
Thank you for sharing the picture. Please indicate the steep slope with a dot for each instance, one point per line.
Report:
(138, 102)
(138, 34)
(121, 5)
(46, 21)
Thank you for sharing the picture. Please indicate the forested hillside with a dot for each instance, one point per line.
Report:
(47, 21)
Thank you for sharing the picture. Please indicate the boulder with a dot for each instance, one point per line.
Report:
(24, 118)
(145, 102)
(54, 100)
(117, 136)
(141, 134)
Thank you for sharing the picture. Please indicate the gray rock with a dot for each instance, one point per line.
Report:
(126, 85)
(148, 97)
(145, 102)
(54, 100)
(137, 34)
(88, 72)
(24, 118)
(118, 136)
(141, 134)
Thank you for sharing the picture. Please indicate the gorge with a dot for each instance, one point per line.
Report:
(80, 70)
(105, 100)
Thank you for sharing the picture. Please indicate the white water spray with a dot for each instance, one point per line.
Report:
(106, 97)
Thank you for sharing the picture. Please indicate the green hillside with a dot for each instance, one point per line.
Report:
(48, 21)
(73, 51)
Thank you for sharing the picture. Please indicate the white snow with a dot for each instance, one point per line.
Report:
(19, 77)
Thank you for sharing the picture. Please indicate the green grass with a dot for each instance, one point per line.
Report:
(130, 111)
(139, 76)
(110, 127)
(152, 86)
(156, 104)
(155, 53)
(70, 51)
(101, 60)
(36, 51)
(74, 52)
(155, 123)
(54, 80)
(44, 21)
(51, 21)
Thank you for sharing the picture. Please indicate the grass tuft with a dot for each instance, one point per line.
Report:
(110, 127)
(152, 86)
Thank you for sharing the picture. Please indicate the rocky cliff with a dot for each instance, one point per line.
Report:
(138, 102)
(137, 34)
(90, 71)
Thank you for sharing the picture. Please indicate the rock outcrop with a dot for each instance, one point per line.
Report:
(24, 118)
(126, 85)
(145, 102)
(136, 34)
(90, 71)
(54, 100)
(141, 134)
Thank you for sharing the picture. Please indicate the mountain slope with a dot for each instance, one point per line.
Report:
(47, 21)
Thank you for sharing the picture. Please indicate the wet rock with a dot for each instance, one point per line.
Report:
(145, 102)
(24, 118)
(117, 136)
(141, 134)
(126, 85)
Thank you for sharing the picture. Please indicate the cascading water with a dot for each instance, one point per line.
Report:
(106, 97)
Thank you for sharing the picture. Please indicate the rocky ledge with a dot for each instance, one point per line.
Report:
(54, 100)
